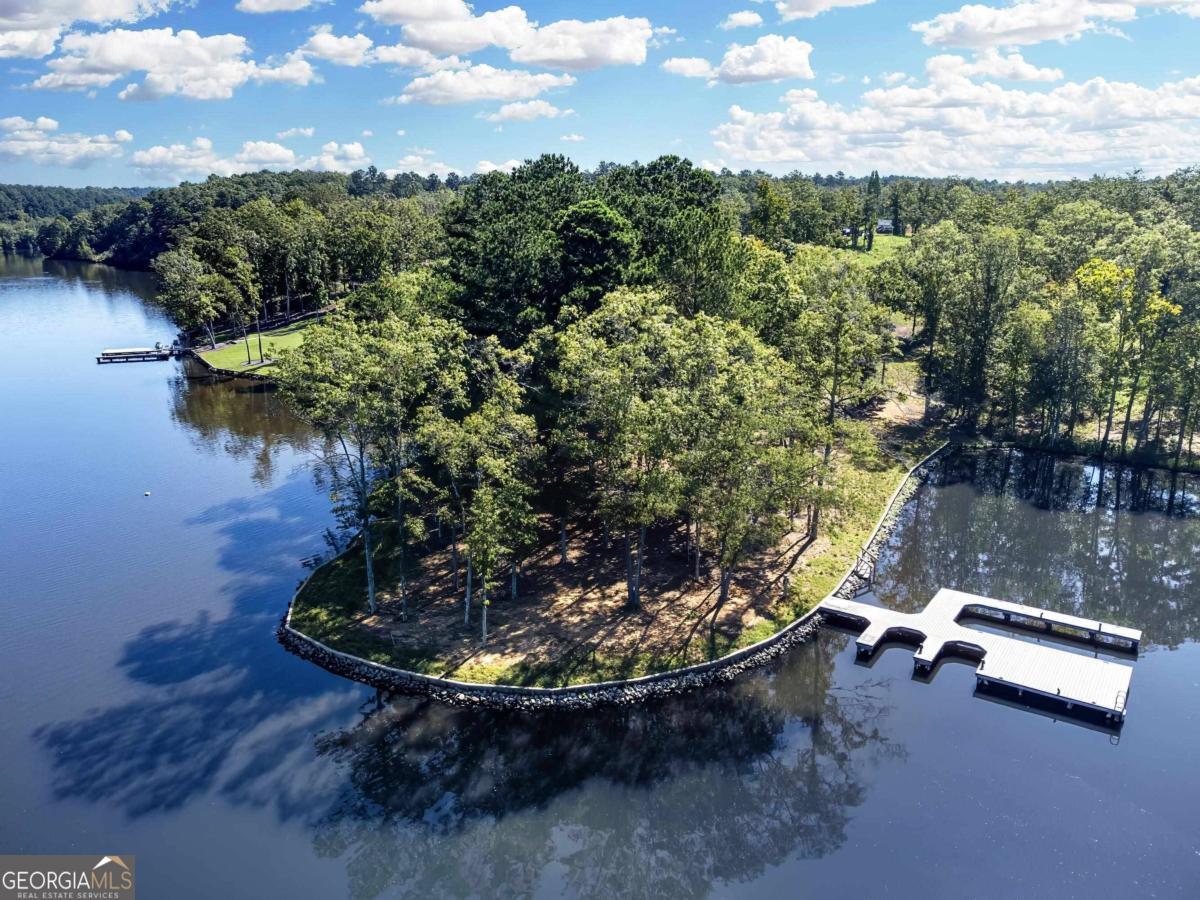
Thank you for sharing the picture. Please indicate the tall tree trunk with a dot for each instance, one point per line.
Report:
(258, 329)
(1112, 400)
(1143, 429)
(246, 338)
(513, 584)
(1108, 419)
(641, 552)
(697, 548)
(1183, 427)
(363, 489)
(929, 375)
(212, 337)
(1133, 390)
(370, 563)
(454, 554)
(483, 604)
(467, 595)
(562, 541)
(830, 420)
(401, 537)
(631, 596)
(1184, 423)
(726, 579)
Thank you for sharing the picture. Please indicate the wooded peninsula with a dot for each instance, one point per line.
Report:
(578, 425)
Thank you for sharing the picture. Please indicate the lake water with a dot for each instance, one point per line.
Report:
(148, 710)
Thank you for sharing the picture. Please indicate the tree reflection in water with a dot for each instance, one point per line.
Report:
(108, 280)
(1120, 545)
(239, 417)
(662, 800)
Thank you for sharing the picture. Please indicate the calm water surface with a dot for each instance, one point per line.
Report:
(148, 710)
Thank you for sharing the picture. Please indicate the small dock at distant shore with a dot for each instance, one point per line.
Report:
(1054, 675)
(156, 353)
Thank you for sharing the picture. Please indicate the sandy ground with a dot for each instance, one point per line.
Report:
(580, 607)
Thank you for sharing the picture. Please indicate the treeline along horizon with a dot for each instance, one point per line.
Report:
(128, 227)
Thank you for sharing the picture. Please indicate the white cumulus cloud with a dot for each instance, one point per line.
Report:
(343, 50)
(183, 62)
(406, 12)
(31, 28)
(689, 66)
(421, 161)
(960, 124)
(484, 166)
(1033, 21)
(335, 157)
(199, 159)
(360, 50)
(770, 58)
(39, 141)
(176, 162)
(406, 57)
(452, 27)
(480, 82)
(807, 9)
(572, 44)
(269, 6)
(527, 111)
(507, 27)
(33, 42)
(306, 131)
(747, 18)
(990, 64)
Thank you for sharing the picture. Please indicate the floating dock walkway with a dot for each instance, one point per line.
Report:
(136, 354)
(1075, 681)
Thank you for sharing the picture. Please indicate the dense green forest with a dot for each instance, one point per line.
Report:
(24, 209)
(655, 344)
(20, 201)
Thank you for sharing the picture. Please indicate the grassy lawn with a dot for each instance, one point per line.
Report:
(233, 356)
(886, 246)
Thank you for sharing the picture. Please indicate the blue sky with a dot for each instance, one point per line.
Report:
(155, 91)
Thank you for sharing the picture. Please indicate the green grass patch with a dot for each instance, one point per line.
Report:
(233, 356)
(333, 605)
(868, 484)
(886, 246)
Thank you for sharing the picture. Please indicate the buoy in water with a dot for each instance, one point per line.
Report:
(147, 494)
